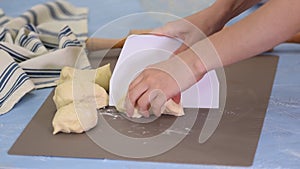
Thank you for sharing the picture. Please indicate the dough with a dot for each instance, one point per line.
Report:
(100, 76)
(66, 92)
(121, 108)
(78, 95)
(103, 75)
(171, 108)
(75, 118)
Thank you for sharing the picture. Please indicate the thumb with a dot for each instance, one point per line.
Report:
(177, 98)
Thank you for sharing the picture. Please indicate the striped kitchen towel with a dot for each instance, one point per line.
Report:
(49, 19)
(35, 46)
(14, 83)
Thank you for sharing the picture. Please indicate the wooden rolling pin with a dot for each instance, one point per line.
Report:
(94, 44)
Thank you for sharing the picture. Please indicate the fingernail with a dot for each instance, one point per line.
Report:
(145, 113)
(129, 114)
(177, 98)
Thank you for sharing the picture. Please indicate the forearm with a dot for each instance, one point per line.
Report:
(213, 18)
(233, 8)
(270, 25)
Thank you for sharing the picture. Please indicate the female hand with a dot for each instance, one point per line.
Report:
(190, 30)
(182, 29)
(159, 82)
(196, 27)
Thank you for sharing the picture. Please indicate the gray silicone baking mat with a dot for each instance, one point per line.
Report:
(234, 142)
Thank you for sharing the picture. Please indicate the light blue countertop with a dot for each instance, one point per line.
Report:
(279, 144)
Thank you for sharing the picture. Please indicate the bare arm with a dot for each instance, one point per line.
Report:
(194, 28)
(273, 23)
(218, 14)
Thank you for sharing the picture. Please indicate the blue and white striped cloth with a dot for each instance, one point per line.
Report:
(35, 46)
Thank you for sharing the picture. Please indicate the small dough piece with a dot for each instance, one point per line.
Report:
(121, 108)
(67, 92)
(100, 76)
(75, 118)
(171, 108)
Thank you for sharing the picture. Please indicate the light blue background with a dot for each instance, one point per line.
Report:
(279, 144)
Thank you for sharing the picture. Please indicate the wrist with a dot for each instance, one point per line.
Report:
(231, 8)
(211, 19)
(221, 14)
(194, 63)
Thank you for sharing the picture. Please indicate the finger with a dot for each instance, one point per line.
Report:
(129, 107)
(136, 81)
(177, 98)
(144, 113)
(163, 31)
(133, 96)
(158, 104)
(159, 31)
(143, 104)
(182, 48)
(134, 92)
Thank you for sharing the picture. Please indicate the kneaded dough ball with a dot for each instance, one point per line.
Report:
(75, 118)
(100, 76)
(78, 95)
(65, 93)
(171, 108)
